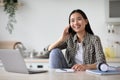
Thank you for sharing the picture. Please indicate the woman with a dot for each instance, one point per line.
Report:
(83, 48)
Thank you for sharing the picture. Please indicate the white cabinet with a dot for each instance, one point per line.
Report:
(113, 62)
(112, 11)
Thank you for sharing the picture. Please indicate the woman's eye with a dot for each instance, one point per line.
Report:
(79, 19)
(72, 20)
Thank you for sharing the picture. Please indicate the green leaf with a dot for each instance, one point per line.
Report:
(10, 8)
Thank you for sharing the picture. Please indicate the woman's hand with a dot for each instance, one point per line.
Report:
(79, 67)
(65, 35)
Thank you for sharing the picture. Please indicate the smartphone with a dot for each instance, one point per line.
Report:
(70, 30)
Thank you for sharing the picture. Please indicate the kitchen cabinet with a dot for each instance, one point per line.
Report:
(112, 11)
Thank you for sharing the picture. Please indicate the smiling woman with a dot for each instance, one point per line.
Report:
(83, 48)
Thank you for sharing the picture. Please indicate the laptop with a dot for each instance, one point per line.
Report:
(14, 62)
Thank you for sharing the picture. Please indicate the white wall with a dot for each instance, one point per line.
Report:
(41, 22)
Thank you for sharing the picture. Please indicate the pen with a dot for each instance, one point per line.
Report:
(63, 69)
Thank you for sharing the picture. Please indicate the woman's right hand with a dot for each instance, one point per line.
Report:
(65, 35)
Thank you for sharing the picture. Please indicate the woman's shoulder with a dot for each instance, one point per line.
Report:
(93, 37)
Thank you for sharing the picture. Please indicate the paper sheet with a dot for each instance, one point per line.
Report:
(65, 70)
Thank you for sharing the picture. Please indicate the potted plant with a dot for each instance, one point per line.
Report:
(10, 7)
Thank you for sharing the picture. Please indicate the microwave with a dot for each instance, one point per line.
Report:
(112, 11)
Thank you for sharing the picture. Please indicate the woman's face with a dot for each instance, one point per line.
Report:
(77, 22)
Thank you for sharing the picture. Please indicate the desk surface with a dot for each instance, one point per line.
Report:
(52, 75)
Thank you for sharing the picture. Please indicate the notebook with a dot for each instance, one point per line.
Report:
(65, 70)
(110, 72)
(14, 62)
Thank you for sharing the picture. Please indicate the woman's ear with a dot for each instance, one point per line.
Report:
(86, 20)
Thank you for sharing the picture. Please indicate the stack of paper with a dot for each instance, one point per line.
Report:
(103, 73)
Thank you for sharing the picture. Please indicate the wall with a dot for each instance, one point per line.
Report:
(41, 22)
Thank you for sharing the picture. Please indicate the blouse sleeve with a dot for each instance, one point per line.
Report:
(62, 45)
(100, 57)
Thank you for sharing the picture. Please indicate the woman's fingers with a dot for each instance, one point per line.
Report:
(78, 67)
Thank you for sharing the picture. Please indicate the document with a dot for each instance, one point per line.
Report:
(103, 73)
(65, 70)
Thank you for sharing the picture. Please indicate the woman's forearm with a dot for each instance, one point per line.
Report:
(52, 46)
(64, 37)
(91, 66)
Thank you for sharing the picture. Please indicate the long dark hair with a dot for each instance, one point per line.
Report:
(87, 27)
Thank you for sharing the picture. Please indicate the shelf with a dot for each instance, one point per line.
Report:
(29, 60)
(113, 60)
(18, 4)
(1, 4)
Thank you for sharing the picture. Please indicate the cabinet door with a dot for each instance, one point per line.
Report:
(114, 64)
(112, 11)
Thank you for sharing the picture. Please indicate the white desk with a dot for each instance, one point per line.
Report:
(52, 75)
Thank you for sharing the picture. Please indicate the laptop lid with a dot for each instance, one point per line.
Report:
(13, 61)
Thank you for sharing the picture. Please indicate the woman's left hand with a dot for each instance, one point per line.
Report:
(79, 67)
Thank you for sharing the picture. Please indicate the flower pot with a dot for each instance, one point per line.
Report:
(8, 1)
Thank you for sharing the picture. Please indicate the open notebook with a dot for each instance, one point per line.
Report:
(14, 62)
(110, 72)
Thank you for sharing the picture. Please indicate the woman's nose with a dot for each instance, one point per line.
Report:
(76, 22)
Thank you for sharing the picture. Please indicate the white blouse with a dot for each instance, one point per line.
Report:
(79, 55)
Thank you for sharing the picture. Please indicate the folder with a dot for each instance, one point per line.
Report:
(110, 72)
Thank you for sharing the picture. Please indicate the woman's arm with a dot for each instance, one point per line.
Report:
(91, 66)
(61, 40)
(55, 44)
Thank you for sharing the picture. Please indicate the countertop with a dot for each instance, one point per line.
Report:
(113, 60)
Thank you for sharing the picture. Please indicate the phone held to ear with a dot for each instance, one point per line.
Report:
(70, 30)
